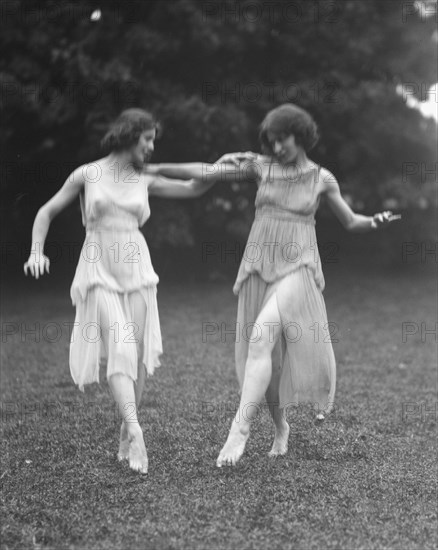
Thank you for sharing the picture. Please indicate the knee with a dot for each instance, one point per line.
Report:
(259, 350)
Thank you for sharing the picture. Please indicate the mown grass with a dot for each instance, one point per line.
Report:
(364, 479)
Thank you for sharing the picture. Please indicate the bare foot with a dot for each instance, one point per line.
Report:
(123, 453)
(137, 456)
(281, 437)
(235, 445)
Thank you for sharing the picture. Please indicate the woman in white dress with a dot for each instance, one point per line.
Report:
(280, 280)
(114, 288)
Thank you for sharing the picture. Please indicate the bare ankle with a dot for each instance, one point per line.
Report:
(133, 429)
(242, 427)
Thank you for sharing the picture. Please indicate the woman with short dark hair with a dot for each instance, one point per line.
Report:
(287, 355)
(114, 288)
(288, 120)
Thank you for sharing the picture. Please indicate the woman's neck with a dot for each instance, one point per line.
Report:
(124, 161)
(300, 162)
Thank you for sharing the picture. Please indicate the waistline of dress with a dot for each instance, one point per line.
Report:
(278, 213)
(100, 227)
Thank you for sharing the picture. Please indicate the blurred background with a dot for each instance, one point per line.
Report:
(210, 71)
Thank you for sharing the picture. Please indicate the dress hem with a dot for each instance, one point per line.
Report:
(114, 344)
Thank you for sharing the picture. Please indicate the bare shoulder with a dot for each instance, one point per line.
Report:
(99, 164)
(327, 181)
(78, 177)
(261, 167)
(90, 171)
(149, 179)
(73, 186)
(264, 160)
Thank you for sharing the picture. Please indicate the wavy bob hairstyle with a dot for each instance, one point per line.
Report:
(285, 120)
(127, 128)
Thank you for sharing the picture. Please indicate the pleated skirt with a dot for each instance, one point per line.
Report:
(304, 353)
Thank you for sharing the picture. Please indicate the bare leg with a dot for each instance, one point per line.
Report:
(122, 388)
(138, 316)
(280, 444)
(258, 372)
(123, 453)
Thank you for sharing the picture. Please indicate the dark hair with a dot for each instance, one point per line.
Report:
(285, 120)
(127, 128)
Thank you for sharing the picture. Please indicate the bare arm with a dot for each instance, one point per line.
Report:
(170, 188)
(38, 262)
(230, 167)
(353, 222)
(184, 171)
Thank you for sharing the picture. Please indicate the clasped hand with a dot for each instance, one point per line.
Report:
(236, 158)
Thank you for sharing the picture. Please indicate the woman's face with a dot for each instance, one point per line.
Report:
(143, 149)
(284, 148)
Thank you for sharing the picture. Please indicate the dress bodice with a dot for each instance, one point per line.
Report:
(106, 204)
(282, 237)
(288, 192)
(115, 254)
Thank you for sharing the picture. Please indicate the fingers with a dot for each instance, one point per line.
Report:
(46, 264)
(38, 267)
(30, 267)
(233, 160)
(383, 218)
(248, 155)
(43, 265)
(388, 216)
(237, 158)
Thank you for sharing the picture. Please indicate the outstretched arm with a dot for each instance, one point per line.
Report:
(201, 171)
(38, 263)
(350, 220)
(228, 168)
(170, 188)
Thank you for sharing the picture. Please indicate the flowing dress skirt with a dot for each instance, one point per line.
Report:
(304, 353)
(114, 266)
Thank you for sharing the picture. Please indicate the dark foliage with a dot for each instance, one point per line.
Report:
(210, 71)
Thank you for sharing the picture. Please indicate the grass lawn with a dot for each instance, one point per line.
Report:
(364, 479)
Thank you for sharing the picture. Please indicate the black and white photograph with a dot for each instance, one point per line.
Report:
(219, 260)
